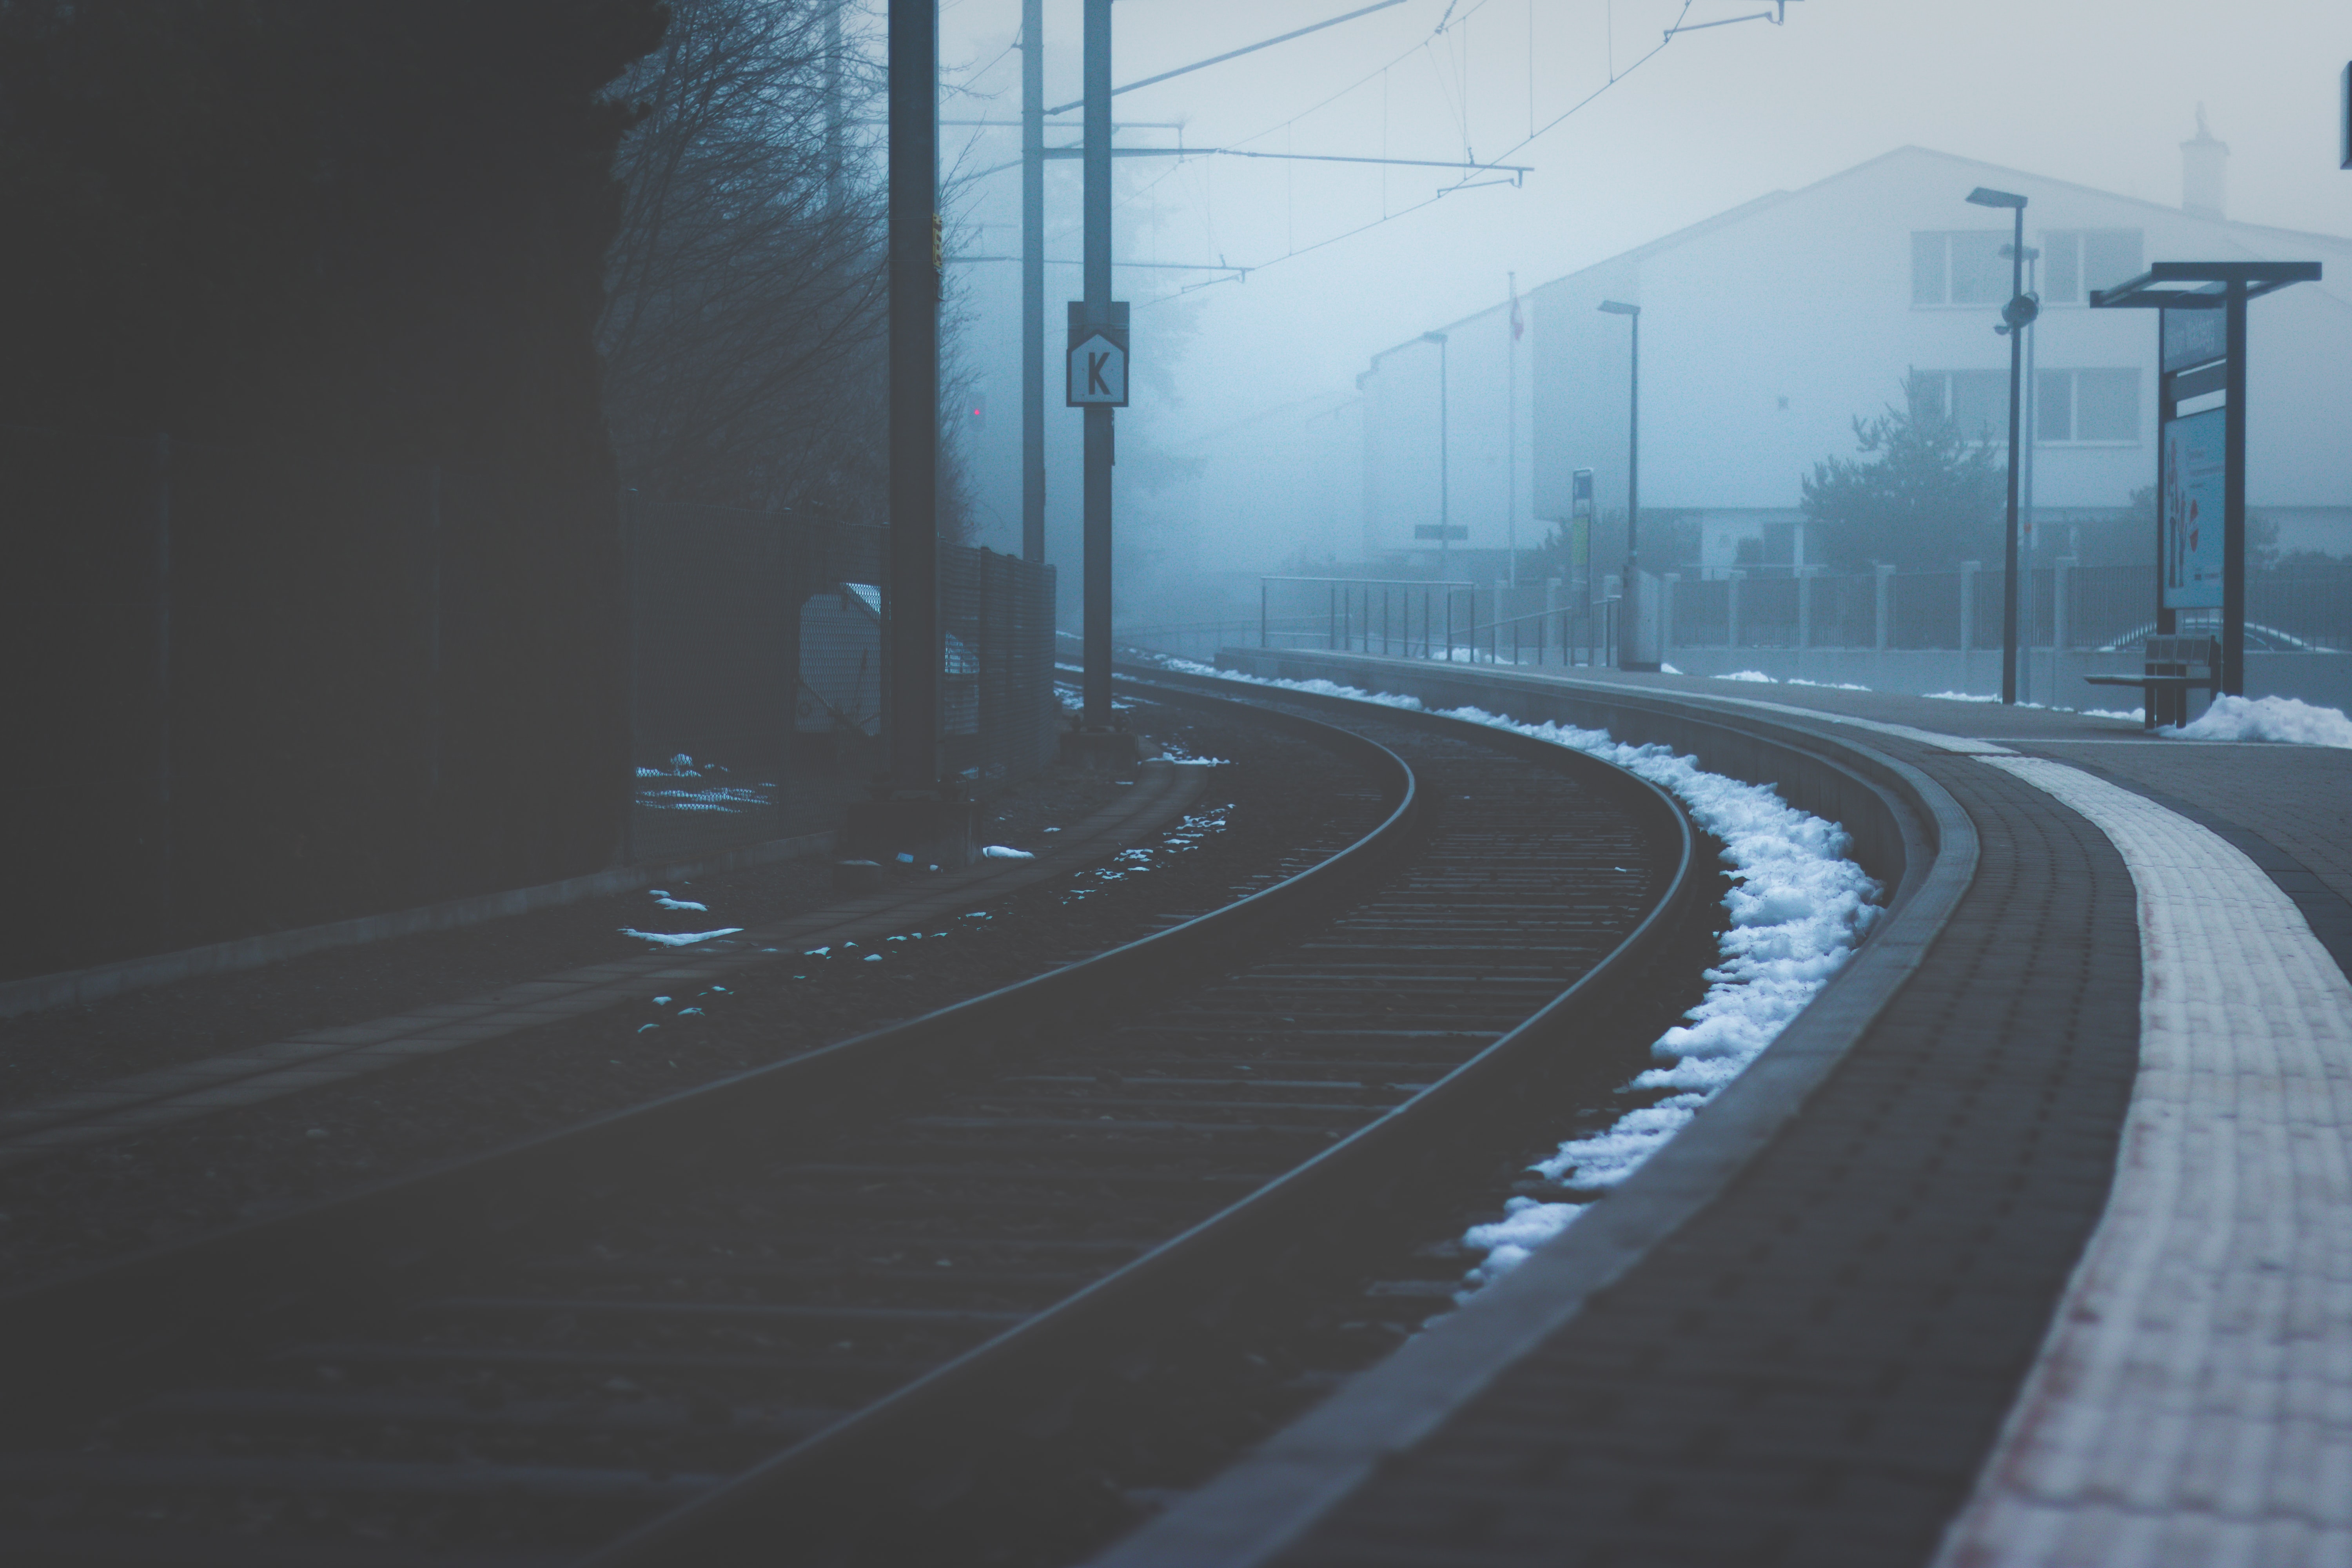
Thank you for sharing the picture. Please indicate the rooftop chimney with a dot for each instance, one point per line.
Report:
(2204, 171)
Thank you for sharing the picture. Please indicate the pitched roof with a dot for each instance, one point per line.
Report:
(2269, 237)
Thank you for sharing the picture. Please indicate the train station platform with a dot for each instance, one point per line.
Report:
(2029, 1242)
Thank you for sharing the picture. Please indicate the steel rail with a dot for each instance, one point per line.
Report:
(807, 1501)
(117, 1314)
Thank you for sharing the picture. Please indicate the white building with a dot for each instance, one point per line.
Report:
(1767, 330)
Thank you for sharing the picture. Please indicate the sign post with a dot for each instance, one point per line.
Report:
(1096, 385)
(1097, 359)
(2200, 481)
(913, 812)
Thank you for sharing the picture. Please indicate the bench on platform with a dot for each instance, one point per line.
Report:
(2171, 668)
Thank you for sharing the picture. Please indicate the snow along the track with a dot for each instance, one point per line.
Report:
(1798, 906)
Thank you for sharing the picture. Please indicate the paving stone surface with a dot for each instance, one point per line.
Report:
(1815, 1369)
(2192, 1402)
(2298, 798)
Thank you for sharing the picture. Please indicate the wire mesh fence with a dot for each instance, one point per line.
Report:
(2087, 608)
(2063, 607)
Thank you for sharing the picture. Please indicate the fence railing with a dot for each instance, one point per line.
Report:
(2083, 612)
(1425, 619)
(2058, 607)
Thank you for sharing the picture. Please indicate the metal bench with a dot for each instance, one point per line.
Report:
(2171, 668)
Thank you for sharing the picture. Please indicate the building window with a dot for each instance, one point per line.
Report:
(1959, 267)
(2077, 407)
(1975, 400)
(2074, 261)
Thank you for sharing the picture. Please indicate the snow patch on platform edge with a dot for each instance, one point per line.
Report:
(2280, 718)
(1798, 905)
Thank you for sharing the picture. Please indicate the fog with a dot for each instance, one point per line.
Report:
(1240, 452)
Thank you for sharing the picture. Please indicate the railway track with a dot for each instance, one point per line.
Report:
(780, 1318)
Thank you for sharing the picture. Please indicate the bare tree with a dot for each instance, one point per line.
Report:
(743, 337)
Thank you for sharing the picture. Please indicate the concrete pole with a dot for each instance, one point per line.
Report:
(1096, 257)
(1032, 280)
(2016, 414)
(915, 267)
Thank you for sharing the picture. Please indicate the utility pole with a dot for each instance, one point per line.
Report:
(2030, 549)
(1511, 438)
(1629, 613)
(2011, 562)
(1032, 280)
(1444, 480)
(912, 814)
(1098, 452)
(2016, 316)
(914, 262)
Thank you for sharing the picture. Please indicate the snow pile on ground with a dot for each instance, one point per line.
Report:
(677, 939)
(2280, 718)
(1319, 688)
(681, 767)
(2131, 713)
(1828, 685)
(721, 799)
(1005, 852)
(1755, 675)
(1798, 907)
(662, 900)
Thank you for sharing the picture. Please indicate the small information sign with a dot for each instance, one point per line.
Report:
(2191, 501)
(1098, 362)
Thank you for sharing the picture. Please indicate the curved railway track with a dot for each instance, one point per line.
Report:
(777, 1318)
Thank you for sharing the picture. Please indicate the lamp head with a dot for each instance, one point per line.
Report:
(1985, 197)
(1619, 308)
(1432, 337)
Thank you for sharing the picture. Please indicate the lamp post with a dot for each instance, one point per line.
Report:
(2030, 549)
(1445, 490)
(2015, 316)
(1629, 615)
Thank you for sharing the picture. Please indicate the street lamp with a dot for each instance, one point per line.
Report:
(2030, 546)
(1629, 606)
(2015, 315)
(1445, 519)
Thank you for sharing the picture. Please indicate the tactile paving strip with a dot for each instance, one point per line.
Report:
(2193, 1402)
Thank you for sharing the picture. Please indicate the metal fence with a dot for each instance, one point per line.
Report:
(2060, 605)
(1418, 618)
(2063, 607)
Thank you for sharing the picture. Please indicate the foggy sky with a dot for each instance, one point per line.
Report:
(2097, 92)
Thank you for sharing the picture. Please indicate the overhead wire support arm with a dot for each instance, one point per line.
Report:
(1517, 171)
(1233, 54)
(1778, 17)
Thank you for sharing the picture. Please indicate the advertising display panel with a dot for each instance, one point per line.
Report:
(2191, 502)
